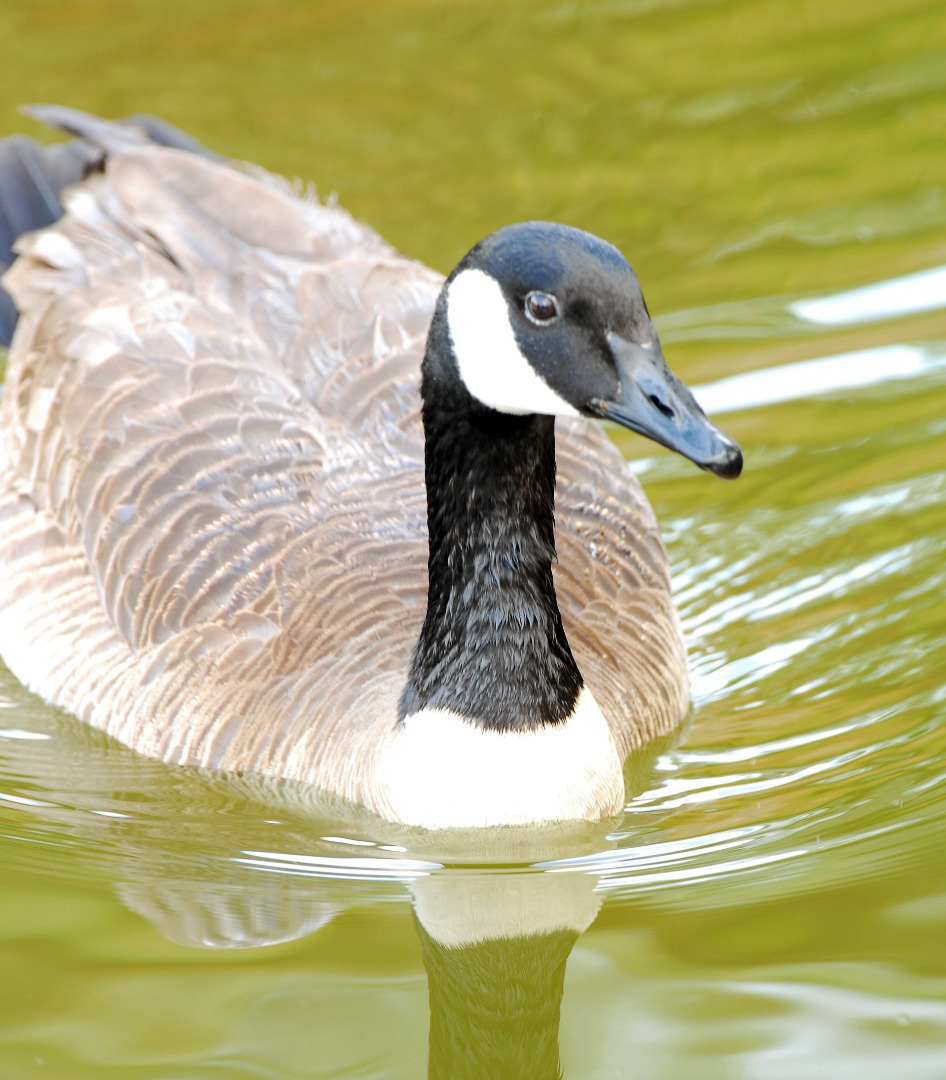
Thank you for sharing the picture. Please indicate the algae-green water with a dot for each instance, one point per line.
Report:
(772, 904)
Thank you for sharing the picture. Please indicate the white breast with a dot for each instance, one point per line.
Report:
(443, 771)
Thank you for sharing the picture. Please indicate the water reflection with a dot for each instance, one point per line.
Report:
(212, 870)
(785, 317)
(494, 947)
(920, 210)
(495, 1007)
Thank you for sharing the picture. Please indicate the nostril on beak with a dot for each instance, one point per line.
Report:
(661, 407)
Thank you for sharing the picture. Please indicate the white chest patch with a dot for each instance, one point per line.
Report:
(442, 771)
(489, 358)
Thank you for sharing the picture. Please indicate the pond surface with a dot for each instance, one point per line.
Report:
(773, 902)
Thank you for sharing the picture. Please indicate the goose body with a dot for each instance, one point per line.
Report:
(214, 516)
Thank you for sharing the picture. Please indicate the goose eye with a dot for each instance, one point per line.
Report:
(541, 307)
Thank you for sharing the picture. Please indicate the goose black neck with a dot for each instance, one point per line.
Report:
(492, 647)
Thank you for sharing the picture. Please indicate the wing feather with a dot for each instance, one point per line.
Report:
(212, 518)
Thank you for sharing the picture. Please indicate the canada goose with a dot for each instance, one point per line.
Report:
(212, 489)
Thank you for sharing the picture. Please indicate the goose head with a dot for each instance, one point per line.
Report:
(546, 319)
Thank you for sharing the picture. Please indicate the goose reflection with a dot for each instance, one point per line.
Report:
(494, 947)
(211, 866)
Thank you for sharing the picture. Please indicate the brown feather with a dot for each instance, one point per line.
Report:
(212, 515)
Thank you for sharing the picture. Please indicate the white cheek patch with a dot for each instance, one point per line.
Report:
(488, 356)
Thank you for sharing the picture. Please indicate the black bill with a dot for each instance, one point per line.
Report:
(652, 401)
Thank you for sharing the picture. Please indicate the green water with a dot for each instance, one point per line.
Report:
(773, 903)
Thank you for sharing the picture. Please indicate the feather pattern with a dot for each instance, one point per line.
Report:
(212, 507)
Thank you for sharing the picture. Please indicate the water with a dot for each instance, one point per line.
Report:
(771, 905)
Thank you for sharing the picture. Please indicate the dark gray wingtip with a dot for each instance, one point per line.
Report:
(114, 136)
(104, 134)
(8, 317)
(32, 178)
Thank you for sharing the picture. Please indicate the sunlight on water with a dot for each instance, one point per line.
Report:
(908, 295)
(809, 378)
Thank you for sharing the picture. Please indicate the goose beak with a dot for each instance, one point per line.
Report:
(652, 401)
